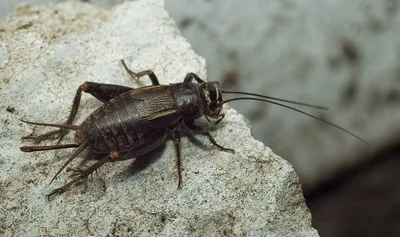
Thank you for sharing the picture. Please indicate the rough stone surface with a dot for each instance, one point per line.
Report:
(46, 52)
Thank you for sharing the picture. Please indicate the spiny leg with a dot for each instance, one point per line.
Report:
(204, 132)
(60, 132)
(177, 141)
(101, 91)
(81, 174)
(75, 154)
(137, 75)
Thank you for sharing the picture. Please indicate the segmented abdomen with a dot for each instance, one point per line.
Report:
(116, 125)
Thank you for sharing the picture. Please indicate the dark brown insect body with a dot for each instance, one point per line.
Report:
(133, 119)
(136, 121)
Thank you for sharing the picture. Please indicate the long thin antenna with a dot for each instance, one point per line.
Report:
(274, 98)
(302, 112)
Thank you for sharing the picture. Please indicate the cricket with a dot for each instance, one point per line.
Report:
(138, 120)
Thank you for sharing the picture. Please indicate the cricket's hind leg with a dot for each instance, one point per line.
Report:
(80, 175)
(102, 92)
(60, 132)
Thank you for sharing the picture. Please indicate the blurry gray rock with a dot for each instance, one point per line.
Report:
(341, 54)
(46, 52)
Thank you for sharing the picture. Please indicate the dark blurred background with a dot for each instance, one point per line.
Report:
(363, 200)
(341, 54)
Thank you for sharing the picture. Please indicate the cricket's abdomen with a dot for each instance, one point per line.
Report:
(117, 126)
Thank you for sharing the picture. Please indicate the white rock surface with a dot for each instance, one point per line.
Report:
(46, 52)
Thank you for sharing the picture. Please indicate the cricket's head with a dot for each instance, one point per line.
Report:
(212, 99)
